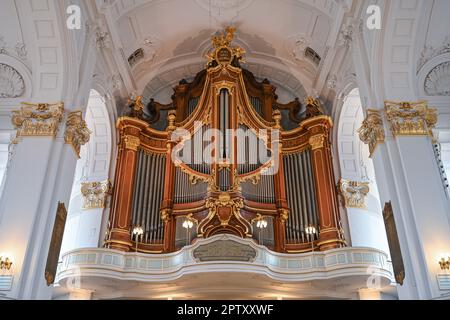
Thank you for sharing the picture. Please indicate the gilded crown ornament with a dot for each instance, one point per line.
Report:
(372, 131)
(95, 194)
(354, 193)
(313, 108)
(223, 53)
(40, 119)
(411, 118)
(77, 133)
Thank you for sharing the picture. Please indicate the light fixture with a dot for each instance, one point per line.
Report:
(445, 265)
(5, 263)
(188, 224)
(138, 232)
(261, 224)
(311, 231)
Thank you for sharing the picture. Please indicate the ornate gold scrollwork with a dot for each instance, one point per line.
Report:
(95, 194)
(193, 177)
(165, 214)
(411, 118)
(317, 141)
(38, 119)
(224, 200)
(354, 193)
(131, 143)
(223, 53)
(372, 131)
(77, 133)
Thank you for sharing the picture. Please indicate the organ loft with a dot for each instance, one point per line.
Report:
(224, 157)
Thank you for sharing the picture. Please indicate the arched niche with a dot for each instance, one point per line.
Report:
(84, 225)
(366, 226)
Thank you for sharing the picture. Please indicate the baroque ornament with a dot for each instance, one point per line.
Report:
(95, 194)
(317, 141)
(77, 133)
(411, 118)
(354, 193)
(372, 131)
(11, 82)
(223, 53)
(38, 119)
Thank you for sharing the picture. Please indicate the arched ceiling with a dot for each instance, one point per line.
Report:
(175, 35)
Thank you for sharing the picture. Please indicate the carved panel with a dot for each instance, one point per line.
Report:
(394, 243)
(225, 250)
(55, 244)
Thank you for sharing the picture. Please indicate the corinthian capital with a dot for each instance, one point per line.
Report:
(372, 131)
(94, 194)
(77, 132)
(411, 118)
(354, 193)
(40, 119)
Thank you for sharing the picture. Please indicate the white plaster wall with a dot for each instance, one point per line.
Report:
(83, 227)
(366, 226)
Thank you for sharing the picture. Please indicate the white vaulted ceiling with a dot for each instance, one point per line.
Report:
(175, 35)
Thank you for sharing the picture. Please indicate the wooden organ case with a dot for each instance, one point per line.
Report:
(205, 166)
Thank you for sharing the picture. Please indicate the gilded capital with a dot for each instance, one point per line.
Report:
(354, 193)
(372, 131)
(131, 143)
(40, 119)
(95, 194)
(317, 141)
(77, 133)
(411, 118)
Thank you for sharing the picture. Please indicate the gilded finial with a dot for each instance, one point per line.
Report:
(313, 107)
(223, 53)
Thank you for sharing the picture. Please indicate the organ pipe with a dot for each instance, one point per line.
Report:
(148, 192)
(300, 195)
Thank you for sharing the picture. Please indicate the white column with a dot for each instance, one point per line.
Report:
(408, 176)
(367, 228)
(40, 175)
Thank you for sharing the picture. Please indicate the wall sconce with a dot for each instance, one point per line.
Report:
(138, 231)
(445, 265)
(5, 263)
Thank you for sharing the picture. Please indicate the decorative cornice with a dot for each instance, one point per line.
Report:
(410, 118)
(40, 119)
(77, 133)
(95, 194)
(354, 193)
(317, 141)
(372, 131)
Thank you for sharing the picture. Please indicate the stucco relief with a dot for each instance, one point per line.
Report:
(12, 84)
(437, 82)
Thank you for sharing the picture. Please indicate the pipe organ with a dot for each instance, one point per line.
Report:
(231, 159)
